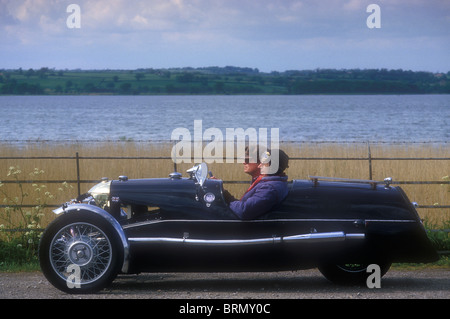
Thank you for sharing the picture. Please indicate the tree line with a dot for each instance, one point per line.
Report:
(222, 80)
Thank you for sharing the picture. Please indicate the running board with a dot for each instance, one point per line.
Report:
(303, 238)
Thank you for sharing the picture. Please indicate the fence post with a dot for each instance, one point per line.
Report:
(174, 156)
(370, 159)
(78, 173)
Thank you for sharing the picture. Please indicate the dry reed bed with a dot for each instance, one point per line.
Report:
(94, 169)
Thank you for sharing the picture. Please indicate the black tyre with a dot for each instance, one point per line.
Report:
(350, 273)
(80, 252)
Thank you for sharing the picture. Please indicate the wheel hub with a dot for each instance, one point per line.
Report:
(80, 253)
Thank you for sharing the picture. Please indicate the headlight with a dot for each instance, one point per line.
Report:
(100, 193)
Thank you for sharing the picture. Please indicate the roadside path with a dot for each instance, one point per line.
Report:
(305, 284)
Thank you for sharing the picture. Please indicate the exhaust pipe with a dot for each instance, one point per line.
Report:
(301, 238)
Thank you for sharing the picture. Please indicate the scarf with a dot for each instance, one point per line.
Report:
(257, 180)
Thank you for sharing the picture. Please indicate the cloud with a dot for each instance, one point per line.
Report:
(240, 19)
(270, 32)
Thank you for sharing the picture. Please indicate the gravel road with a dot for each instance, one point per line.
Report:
(305, 284)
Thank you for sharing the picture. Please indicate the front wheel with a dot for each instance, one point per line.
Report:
(80, 252)
(350, 273)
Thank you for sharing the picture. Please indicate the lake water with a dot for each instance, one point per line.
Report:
(354, 118)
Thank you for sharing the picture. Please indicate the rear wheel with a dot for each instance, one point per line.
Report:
(350, 273)
(80, 252)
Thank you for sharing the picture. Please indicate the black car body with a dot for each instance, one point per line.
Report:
(184, 224)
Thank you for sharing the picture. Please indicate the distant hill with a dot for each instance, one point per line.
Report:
(221, 80)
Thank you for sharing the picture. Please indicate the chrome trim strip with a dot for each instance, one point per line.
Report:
(308, 238)
(391, 220)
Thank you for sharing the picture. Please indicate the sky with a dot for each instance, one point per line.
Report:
(271, 35)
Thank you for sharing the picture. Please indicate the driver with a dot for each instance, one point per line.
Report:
(266, 190)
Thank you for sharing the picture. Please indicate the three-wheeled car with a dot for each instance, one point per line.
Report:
(183, 224)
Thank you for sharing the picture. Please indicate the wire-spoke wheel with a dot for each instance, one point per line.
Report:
(83, 245)
(80, 253)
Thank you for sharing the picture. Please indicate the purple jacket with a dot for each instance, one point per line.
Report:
(270, 191)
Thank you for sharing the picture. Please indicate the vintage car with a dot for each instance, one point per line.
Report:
(183, 224)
